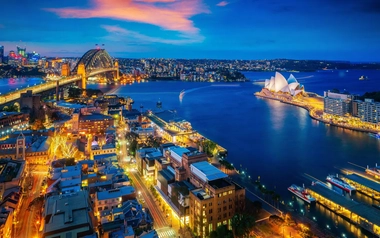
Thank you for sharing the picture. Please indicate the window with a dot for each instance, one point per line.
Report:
(210, 211)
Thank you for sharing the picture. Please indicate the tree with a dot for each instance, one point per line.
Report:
(38, 125)
(37, 204)
(11, 108)
(75, 92)
(154, 142)
(186, 232)
(221, 231)
(242, 224)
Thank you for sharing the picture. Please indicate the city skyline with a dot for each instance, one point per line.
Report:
(235, 29)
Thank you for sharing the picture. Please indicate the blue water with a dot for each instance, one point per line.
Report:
(276, 141)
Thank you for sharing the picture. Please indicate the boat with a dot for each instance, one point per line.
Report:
(376, 135)
(375, 171)
(335, 180)
(181, 95)
(159, 104)
(302, 193)
(363, 77)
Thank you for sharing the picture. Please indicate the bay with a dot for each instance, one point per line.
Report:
(278, 142)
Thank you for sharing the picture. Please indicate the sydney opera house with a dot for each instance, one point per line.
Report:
(278, 84)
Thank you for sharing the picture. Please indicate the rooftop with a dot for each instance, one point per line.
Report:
(363, 181)
(68, 212)
(114, 193)
(219, 183)
(201, 194)
(367, 212)
(206, 171)
(95, 117)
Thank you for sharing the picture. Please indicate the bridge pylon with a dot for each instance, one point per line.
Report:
(116, 65)
(83, 82)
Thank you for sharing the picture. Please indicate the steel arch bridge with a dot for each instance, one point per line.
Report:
(95, 59)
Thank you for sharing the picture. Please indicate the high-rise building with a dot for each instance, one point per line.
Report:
(1, 53)
(337, 103)
(65, 70)
(12, 55)
(367, 110)
(21, 51)
(215, 201)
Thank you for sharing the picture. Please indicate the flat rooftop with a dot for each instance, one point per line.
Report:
(201, 194)
(114, 193)
(363, 181)
(206, 171)
(367, 212)
(219, 183)
(67, 212)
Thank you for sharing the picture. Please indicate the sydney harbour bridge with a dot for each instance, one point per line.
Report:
(93, 62)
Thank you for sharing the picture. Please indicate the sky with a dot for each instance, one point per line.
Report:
(215, 29)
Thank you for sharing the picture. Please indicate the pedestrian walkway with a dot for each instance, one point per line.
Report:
(166, 232)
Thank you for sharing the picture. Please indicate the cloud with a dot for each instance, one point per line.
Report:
(121, 34)
(222, 4)
(167, 14)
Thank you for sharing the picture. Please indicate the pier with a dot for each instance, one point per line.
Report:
(366, 186)
(360, 214)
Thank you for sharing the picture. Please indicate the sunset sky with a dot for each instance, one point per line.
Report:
(232, 29)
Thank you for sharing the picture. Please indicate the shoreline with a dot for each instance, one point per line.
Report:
(309, 109)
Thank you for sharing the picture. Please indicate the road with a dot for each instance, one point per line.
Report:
(160, 223)
(26, 225)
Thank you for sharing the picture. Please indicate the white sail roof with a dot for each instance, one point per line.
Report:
(266, 83)
(292, 79)
(271, 83)
(280, 82)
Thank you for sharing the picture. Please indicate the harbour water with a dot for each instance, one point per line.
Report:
(278, 142)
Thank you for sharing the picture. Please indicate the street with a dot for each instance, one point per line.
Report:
(27, 223)
(160, 222)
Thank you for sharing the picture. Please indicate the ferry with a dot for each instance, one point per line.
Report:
(301, 193)
(373, 171)
(376, 135)
(363, 77)
(181, 95)
(335, 180)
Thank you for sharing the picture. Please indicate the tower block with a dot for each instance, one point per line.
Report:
(117, 69)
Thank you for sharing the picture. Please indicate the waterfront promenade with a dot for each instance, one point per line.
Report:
(314, 105)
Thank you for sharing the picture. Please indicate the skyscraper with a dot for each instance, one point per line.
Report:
(1, 53)
(21, 51)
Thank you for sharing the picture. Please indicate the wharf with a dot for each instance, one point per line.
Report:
(360, 214)
(366, 186)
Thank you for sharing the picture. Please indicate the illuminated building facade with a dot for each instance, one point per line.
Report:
(215, 201)
(338, 104)
(65, 70)
(10, 121)
(367, 110)
(95, 124)
(1, 53)
(21, 51)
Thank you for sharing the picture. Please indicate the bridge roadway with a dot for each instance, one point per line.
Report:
(12, 96)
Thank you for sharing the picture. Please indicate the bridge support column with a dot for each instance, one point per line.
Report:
(117, 70)
(83, 85)
(82, 72)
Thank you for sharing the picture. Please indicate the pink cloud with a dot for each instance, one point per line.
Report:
(222, 4)
(167, 14)
(121, 34)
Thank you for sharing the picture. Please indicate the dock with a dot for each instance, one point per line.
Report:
(364, 185)
(360, 214)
